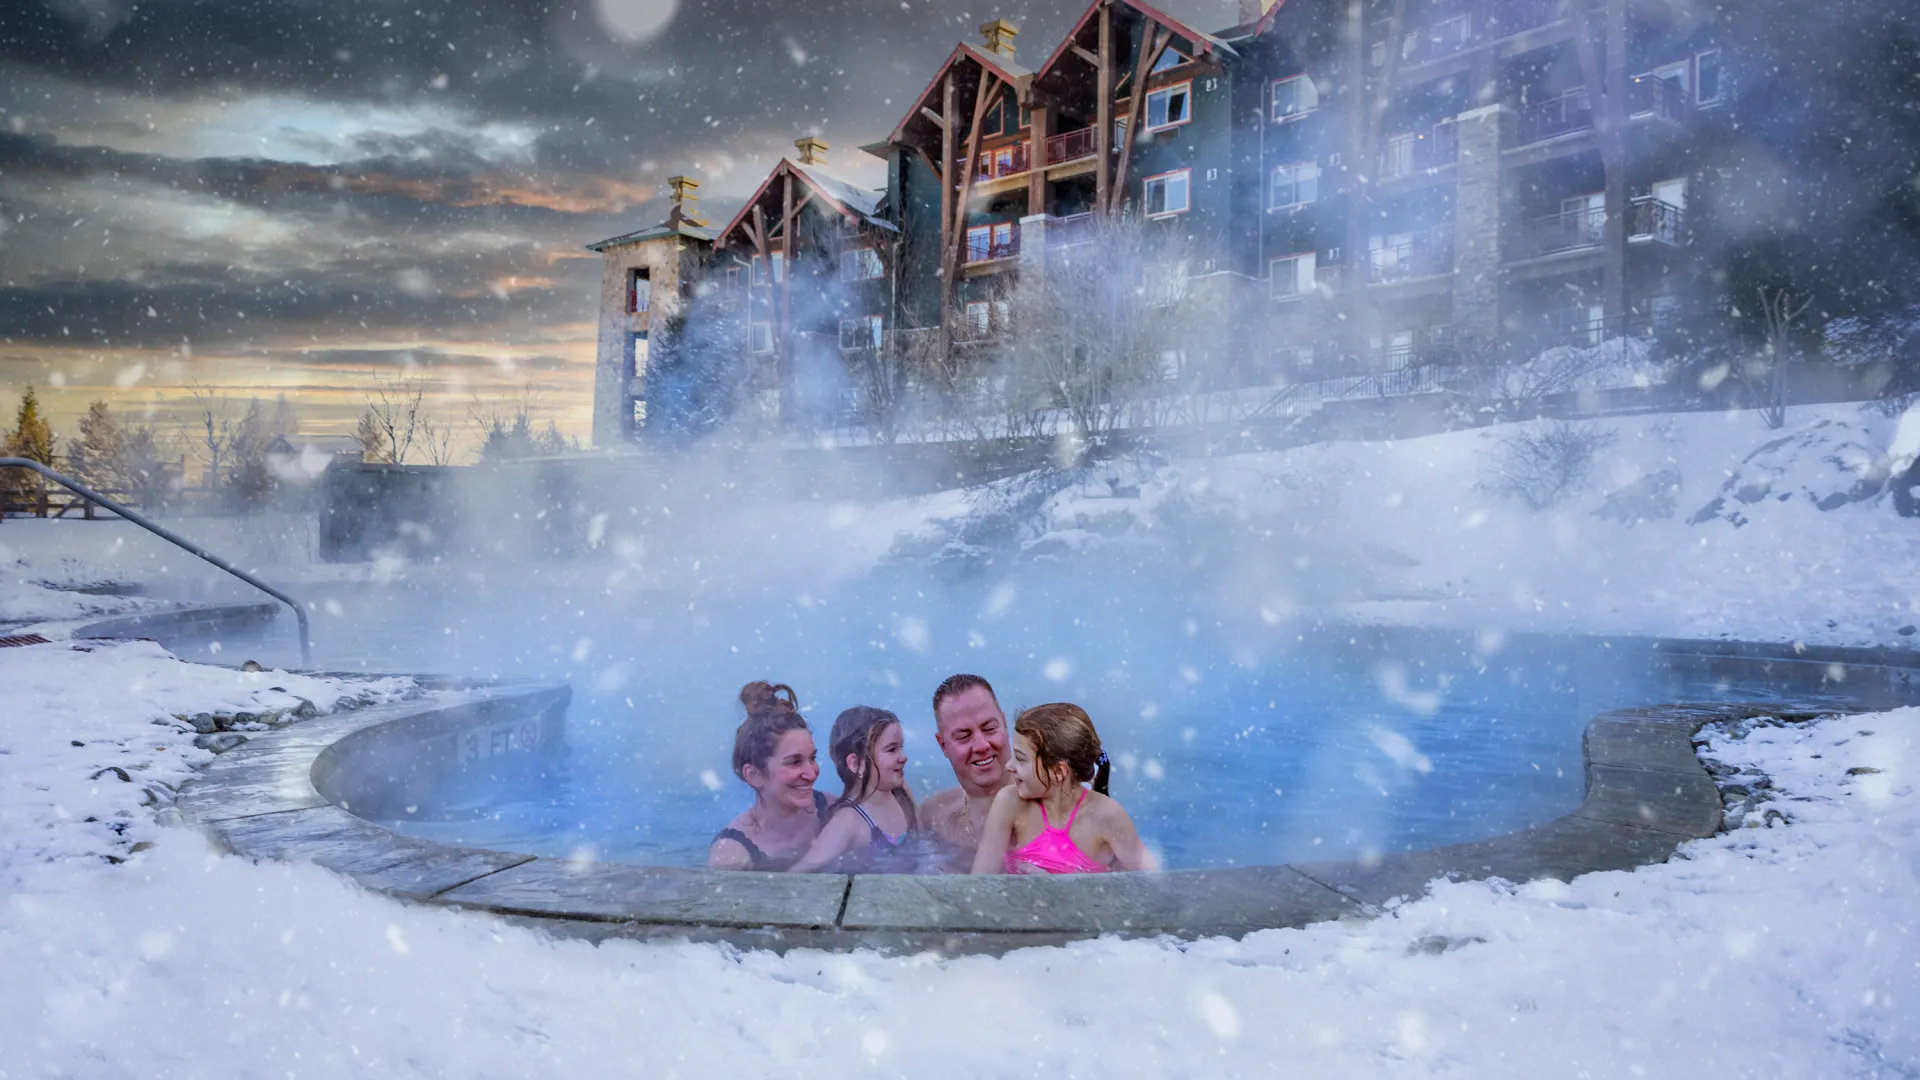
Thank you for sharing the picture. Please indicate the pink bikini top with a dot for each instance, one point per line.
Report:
(1053, 851)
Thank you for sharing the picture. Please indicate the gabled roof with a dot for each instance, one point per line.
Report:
(1253, 29)
(842, 195)
(664, 229)
(1010, 71)
(1199, 39)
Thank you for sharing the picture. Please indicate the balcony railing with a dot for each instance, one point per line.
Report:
(1552, 118)
(1071, 229)
(1569, 230)
(1647, 96)
(1458, 27)
(1411, 255)
(1004, 161)
(1070, 146)
(1662, 99)
(1655, 221)
(1417, 152)
(984, 245)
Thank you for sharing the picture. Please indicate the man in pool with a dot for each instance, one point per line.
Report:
(972, 733)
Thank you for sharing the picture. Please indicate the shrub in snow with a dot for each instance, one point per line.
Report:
(1542, 464)
(1650, 498)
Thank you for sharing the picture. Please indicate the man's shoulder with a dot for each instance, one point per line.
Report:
(944, 801)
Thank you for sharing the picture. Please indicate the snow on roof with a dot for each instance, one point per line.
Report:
(691, 232)
(862, 201)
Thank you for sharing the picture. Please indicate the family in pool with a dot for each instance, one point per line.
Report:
(1023, 805)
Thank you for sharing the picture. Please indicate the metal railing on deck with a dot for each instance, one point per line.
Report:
(1070, 145)
(1423, 253)
(1003, 161)
(299, 612)
(1568, 230)
(1413, 153)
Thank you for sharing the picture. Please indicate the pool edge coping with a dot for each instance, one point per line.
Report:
(1646, 793)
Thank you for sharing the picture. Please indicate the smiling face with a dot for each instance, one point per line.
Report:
(972, 732)
(890, 758)
(787, 780)
(1027, 781)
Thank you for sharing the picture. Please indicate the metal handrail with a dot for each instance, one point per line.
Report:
(85, 492)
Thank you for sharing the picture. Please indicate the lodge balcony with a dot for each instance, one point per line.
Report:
(1650, 221)
(995, 167)
(1459, 27)
(1649, 99)
(991, 243)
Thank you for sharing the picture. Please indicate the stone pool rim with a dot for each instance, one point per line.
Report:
(1646, 793)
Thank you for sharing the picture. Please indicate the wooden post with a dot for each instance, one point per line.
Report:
(1103, 113)
(1153, 42)
(783, 348)
(946, 216)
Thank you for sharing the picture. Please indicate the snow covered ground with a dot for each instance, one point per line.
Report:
(1786, 950)
(1783, 949)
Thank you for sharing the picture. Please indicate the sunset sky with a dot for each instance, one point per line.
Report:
(308, 196)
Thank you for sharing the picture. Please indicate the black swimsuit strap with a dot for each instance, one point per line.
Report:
(755, 857)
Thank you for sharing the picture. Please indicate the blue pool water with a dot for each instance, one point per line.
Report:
(1239, 740)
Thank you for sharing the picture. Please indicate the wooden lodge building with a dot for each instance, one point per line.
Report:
(1360, 188)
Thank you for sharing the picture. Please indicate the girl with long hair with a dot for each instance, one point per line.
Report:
(773, 754)
(867, 827)
(1045, 822)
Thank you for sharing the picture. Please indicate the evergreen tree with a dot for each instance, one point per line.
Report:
(31, 437)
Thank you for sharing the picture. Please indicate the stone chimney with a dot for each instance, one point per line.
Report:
(1252, 10)
(999, 35)
(686, 202)
(813, 151)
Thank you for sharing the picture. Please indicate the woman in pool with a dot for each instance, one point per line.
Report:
(773, 752)
(1055, 750)
(868, 825)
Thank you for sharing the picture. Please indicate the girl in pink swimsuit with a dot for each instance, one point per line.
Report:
(1045, 822)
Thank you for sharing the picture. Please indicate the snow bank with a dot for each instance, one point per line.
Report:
(1781, 950)
(93, 736)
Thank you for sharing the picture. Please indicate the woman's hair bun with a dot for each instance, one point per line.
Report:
(765, 697)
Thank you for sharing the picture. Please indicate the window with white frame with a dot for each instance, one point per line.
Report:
(1294, 185)
(1167, 194)
(639, 290)
(861, 333)
(759, 275)
(1707, 87)
(979, 318)
(1170, 106)
(1292, 277)
(1680, 75)
(1164, 282)
(860, 264)
(1294, 98)
(760, 336)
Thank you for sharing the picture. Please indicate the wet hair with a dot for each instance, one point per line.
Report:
(769, 716)
(954, 686)
(1063, 733)
(855, 734)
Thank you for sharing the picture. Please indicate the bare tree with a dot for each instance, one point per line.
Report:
(393, 420)
(213, 430)
(1766, 377)
(509, 430)
(436, 440)
(1094, 331)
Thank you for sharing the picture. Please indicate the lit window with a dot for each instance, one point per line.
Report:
(1168, 107)
(860, 264)
(1167, 194)
(759, 276)
(1292, 277)
(1294, 98)
(1294, 185)
(760, 336)
(639, 291)
(1706, 85)
(1172, 58)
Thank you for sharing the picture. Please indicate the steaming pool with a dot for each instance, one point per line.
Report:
(1237, 741)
